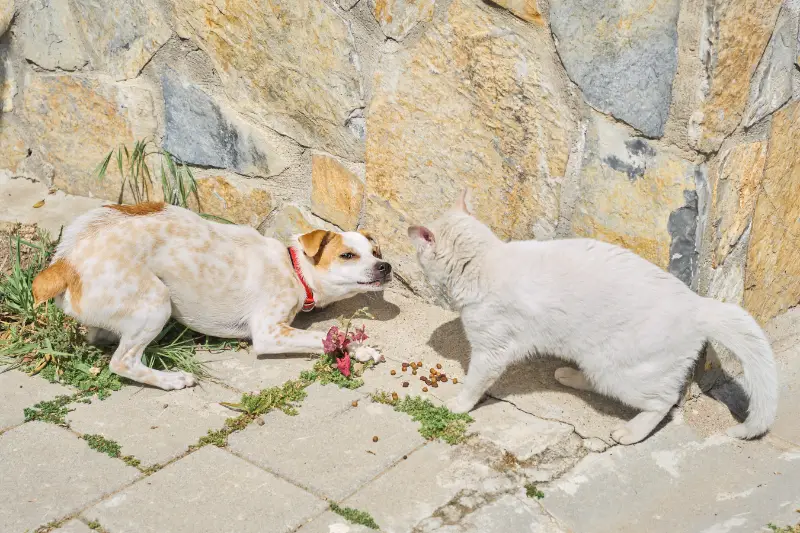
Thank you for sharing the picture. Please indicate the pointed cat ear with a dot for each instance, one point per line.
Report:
(464, 202)
(420, 235)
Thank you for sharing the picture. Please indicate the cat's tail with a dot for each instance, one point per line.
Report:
(734, 328)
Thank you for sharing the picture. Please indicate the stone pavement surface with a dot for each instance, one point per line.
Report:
(282, 472)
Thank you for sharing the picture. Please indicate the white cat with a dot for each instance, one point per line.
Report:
(633, 330)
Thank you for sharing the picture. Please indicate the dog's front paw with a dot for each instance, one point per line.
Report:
(460, 405)
(367, 353)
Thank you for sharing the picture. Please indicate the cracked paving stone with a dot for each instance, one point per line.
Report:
(155, 425)
(330, 449)
(21, 391)
(47, 472)
(248, 372)
(208, 491)
(505, 515)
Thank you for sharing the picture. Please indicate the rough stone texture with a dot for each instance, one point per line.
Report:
(738, 32)
(54, 475)
(771, 85)
(6, 14)
(8, 82)
(623, 56)
(637, 196)
(19, 195)
(50, 36)
(662, 485)
(122, 34)
(200, 132)
(516, 432)
(239, 200)
(74, 526)
(772, 281)
(210, 490)
(524, 9)
(20, 391)
(494, 102)
(337, 193)
(155, 425)
(339, 464)
(293, 63)
(398, 17)
(286, 222)
(509, 513)
(736, 181)
(77, 121)
(246, 371)
(13, 149)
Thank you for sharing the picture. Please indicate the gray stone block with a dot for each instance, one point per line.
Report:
(21, 391)
(47, 472)
(248, 372)
(200, 132)
(208, 491)
(328, 446)
(155, 425)
(623, 56)
(50, 36)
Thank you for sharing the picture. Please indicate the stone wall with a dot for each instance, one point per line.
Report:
(669, 127)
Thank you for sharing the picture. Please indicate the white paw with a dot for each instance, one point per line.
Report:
(739, 432)
(367, 353)
(178, 380)
(459, 405)
(567, 376)
(623, 435)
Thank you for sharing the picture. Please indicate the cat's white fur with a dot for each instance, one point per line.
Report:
(633, 330)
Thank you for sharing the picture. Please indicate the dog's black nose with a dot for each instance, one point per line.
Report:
(384, 268)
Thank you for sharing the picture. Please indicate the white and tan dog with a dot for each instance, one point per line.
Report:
(125, 270)
(633, 330)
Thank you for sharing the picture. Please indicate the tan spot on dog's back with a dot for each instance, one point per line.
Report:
(54, 280)
(140, 209)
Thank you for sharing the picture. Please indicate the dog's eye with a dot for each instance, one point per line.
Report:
(346, 255)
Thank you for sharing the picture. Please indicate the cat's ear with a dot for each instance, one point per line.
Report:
(464, 202)
(421, 236)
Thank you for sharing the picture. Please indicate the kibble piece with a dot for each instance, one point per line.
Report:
(355, 403)
(405, 384)
(393, 372)
(439, 366)
(433, 371)
(443, 378)
(455, 380)
(405, 457)
(424, 389)
(414, 372)
(419, 364)
(434, 385)
(375, 438)
(394, 396)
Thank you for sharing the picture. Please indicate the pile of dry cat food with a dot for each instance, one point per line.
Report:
(434, 377)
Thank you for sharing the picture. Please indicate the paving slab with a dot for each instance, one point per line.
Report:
(515, 431)
(74, 526)
(155, 425)
(20, 391)
(17, 196)
(46, 472)
(506, 515)
(208, 491)
(248, 372)
(379, 378)
(330, 522)
(330, 449)
(416, 487)
(679, 481)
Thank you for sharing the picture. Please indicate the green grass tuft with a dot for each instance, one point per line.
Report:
(532, 492)
(103, 445)
(355, 516)
(436, 422)
(52, 411)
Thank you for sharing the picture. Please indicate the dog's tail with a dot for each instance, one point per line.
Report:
(52, 281)
(739, 332)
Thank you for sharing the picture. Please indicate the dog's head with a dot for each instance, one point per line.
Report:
(346, 263)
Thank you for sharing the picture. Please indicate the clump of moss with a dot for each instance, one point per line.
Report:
(532, 492)
(355, 516)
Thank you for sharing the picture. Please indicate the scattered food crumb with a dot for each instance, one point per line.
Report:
(455, 380)
(405, 384)
(424, 389)
(393, 372)
(438, 366)
(394, 396)
(375, 438)
(38, 204)
(260, 421)
(355, 403)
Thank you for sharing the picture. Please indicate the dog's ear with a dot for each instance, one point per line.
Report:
(421, 235)
(313, 241)
(464, 202)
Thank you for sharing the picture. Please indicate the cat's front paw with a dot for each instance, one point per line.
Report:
(460, 405)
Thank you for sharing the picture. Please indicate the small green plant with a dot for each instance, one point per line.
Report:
(53, 411)
(110, 448)
(95, 525)
(325, 371)
(532, 492)
(436, 422)
(355, 516)
(785, 529)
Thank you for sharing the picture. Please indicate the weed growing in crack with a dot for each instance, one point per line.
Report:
(437, 422)
(355, 516)
(532, 492)
(95, 526)
(785, 529)
(111, 448)
(53, 411)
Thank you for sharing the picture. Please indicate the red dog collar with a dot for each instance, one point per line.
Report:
(309, 302)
